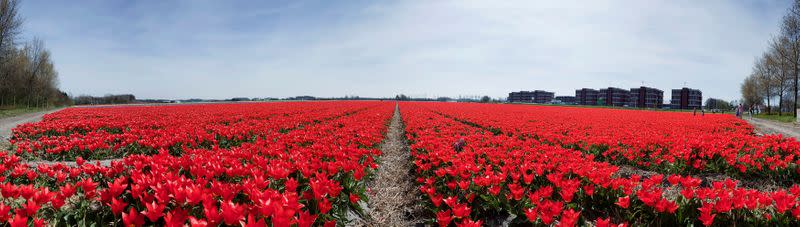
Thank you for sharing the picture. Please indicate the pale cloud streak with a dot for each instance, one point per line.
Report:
(220, 49)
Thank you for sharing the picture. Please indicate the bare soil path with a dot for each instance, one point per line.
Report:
(773, 127)
(393, 196)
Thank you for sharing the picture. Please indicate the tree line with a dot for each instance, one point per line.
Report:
(107, 99)
(27, 75)
(717, 104)
(775, 72)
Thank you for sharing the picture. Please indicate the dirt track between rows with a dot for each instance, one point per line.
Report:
(773, 127)
(393, 198)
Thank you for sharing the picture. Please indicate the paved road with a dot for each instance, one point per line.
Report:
(6, 124)
(774, 127)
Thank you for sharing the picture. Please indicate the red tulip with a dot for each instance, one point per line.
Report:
(4, 212)
(306, 219)
(132, 218)
(176, 217)
(117, 206)
(461, 211)
(19, 220)
(154, 211)
(706, 215)
(254, 222)
(531, 214)
(624, 202)
(470, 223)
(354, 198)
(194, 222)
(569, 218)
(443, 218)
(600, 222)
(38, 222)
(30, 208)
(232, 213)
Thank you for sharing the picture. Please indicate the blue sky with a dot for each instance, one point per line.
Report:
(223, 49)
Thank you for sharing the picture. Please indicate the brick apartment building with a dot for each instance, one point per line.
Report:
(646, 97)
(612, 96)
(543, 96)
(521, 96)
(586, 96)
(686, 98)
(537, 96)
(641, 97)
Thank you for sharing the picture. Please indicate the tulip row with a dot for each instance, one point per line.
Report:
(307, 176)
(666, 142)
(473, 175)
(100, 133)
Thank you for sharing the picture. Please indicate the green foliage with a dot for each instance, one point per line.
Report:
(787, 118)
(16, 111)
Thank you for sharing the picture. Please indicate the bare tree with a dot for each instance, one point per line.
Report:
(781, 70)
(10, 25)
(40, 75)
(763, 83)
(790, 35)
(27, 74)
(751, 92)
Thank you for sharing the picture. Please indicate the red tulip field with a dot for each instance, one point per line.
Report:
(564, 165)
(222, 164)
(310, 164)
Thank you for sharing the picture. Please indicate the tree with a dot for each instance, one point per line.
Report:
(750, 91)
(402, 97)
(712, 103)
(10, 25)
(486, 99)
(782, 71)
(776, 73)
(41, 75)
(762, 74)
(444, 99)
(108, 99)
(790, 43)
(27, 74)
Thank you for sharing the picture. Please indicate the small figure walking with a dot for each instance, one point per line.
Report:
(739, 111)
